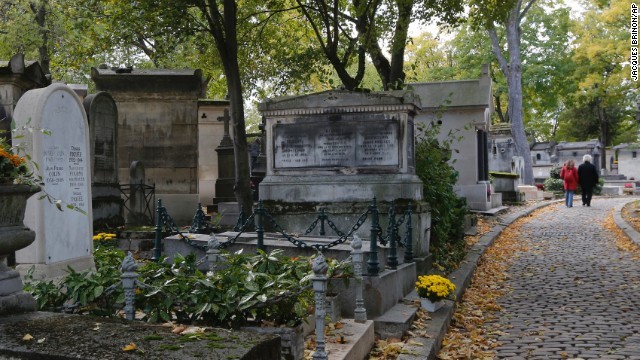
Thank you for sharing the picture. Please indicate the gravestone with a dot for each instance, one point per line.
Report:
(338, 150)
(210, 133)
(225, 199)
(137, 214)
(63, 238)
(102, 114)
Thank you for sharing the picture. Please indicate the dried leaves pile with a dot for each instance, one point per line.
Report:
(474, 330)
(623, 242)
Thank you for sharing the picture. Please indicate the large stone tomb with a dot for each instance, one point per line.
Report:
(338, 150)
(63, 238)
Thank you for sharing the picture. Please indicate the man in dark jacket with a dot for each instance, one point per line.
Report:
(588, 178)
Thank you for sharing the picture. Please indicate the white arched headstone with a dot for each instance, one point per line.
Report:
(63, 238)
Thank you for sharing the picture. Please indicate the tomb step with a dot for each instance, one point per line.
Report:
(356, 342)
(396, 321)
(492, 212)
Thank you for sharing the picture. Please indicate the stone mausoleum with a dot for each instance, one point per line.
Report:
(338, 150)
(463, 108)
(17, 76)
(158, 126)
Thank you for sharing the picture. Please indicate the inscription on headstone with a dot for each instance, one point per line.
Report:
(318, 144)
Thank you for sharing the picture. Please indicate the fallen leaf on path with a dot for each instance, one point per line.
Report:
(130, 347)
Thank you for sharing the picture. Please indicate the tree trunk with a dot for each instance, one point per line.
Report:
(40, 12)
(513, 72)
(514, 111)
(223, 27)
(604, 133)
(397, 75)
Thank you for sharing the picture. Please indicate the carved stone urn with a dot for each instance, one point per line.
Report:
(14, 236)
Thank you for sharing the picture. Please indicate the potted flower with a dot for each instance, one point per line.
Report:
(433, 289)
(16, 186)
(13, 168)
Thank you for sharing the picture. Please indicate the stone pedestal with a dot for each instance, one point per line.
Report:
(14, 236)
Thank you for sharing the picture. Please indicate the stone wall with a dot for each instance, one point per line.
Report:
(158, 125)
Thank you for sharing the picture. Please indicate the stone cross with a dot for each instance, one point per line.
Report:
(226, 139)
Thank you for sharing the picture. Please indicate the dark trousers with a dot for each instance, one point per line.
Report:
(587, 194)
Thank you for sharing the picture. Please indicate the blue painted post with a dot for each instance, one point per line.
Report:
(259, 225)
(129, 278)
(408, 250)
(360, 313)
(319, 279)
(323, 217)
(157, 250)
(392, 258)
(372, 264)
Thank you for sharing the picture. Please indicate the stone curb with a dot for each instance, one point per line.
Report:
(623, 224)
(427, 347)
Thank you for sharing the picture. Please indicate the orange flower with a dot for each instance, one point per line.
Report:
(16, 160)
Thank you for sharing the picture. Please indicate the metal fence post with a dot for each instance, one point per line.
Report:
(213, 253)
(259, 225)
(128, 277)
(360, 313)
(157, 250)
(241, 220)
(323, 217)
(408, 250)
(392, 258)
(372, 264)
(198, 225)
(319, 279)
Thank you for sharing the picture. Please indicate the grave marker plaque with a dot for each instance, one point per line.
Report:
(354, 143)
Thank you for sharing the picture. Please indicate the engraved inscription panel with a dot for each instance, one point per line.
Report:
(377, 144)
(322, 144)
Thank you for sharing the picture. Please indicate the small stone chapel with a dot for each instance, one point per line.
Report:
(464, 107)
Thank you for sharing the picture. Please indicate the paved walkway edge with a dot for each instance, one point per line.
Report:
(623, 224)
(427, 348)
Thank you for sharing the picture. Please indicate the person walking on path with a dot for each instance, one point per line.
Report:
(588, 178)
(569, 174)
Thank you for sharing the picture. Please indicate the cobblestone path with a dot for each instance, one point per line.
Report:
(575, 295)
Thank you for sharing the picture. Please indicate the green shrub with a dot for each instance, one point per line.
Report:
(250, 289)
(597, 190)
(555, 171)
(448, 211)
(553, 184)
